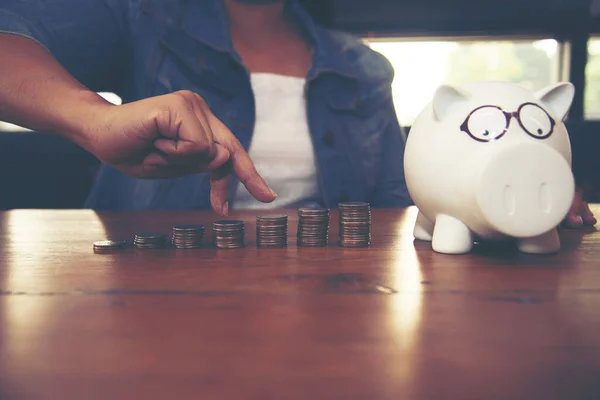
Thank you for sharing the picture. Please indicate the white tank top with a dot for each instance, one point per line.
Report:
(281, 146)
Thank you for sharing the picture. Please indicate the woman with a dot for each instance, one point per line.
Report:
(203, 84)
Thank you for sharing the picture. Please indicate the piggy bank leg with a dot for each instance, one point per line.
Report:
(423, 228)
(544, 244)
(451, 236)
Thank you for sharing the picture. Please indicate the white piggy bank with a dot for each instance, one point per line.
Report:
(491, 160)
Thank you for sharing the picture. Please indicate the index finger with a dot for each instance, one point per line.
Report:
(243, 166)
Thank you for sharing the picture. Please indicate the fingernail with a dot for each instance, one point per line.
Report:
(225, 209)
(579, 220)
(273, 193)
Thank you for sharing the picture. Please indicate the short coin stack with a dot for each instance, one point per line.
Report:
(355, 224)
(228, 234)
(150, 241)
(271, 231)
(313, 227)
(109, 246)
(188, 236)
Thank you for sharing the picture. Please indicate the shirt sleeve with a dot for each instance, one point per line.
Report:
(89, 38)
(391, 189)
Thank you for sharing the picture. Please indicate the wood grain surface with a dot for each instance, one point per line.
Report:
(392, 321)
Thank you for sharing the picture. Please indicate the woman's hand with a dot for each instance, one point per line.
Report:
(580, 214)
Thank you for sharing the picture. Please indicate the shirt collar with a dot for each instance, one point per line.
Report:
(206, 21)
(329, 56)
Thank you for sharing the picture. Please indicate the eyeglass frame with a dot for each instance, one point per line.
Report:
(464, 127)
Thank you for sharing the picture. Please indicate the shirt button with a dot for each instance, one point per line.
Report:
(329, 139)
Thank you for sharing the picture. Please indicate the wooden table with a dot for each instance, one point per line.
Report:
(393, 321)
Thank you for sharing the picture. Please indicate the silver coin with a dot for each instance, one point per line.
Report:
(272, 216)
(230, 222)
(150, 236)
(354, 204)
(110, 244)
(188, 228)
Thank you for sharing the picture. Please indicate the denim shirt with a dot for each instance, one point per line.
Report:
(144, 48)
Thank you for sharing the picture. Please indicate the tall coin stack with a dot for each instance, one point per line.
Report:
(313, 227)
(150, 241)
(271, 231)
(188, 236)
(229, 234)
(355, 224)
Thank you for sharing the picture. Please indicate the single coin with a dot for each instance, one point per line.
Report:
(228, 223)
(110, 244)
(188, 228)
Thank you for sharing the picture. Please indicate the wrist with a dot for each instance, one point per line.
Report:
(80, 120)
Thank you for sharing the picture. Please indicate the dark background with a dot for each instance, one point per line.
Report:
(42, 171)
(455, 17)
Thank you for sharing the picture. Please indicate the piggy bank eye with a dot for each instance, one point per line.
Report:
(535, 121)
(486, 123)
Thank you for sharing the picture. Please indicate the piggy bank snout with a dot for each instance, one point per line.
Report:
(525, 190)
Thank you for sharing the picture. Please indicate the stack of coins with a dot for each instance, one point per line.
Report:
(109, 246)
(150, 241)
(188, 236)
(271, 231)
(313, 227)
(355, 224)
(229, 234)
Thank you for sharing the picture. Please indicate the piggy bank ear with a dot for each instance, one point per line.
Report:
(445, 98)
(558, 98)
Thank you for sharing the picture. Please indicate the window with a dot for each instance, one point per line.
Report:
(422, 66)
(592, 81)
(6, 127)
